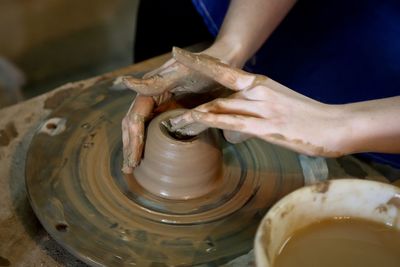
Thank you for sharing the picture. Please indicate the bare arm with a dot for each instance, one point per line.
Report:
(373, 126)
(246, 26)
(268, 110)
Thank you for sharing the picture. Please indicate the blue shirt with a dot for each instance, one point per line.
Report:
(334, 51)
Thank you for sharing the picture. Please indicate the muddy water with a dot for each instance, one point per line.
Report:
(342, 242)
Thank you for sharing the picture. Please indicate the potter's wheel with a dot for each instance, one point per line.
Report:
(82, 199)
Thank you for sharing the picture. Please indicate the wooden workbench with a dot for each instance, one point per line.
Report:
(23, 242)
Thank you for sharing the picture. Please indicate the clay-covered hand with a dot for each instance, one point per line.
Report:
(171, 78)
(155, 90)
(262, 108)
(133, 131)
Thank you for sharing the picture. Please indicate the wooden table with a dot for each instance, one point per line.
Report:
(23, 242)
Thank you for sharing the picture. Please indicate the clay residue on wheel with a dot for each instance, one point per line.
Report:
(56, 99)
(8, 134)
(105, 226)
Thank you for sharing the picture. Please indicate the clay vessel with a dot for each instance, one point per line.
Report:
(179, 168)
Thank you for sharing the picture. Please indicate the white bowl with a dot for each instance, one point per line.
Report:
(363, 199)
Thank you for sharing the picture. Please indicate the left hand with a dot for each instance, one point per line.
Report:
(262, 108)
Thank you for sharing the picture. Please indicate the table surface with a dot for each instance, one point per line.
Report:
(23, 242)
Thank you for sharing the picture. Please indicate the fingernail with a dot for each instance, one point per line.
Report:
(176, 123)
(186, 131)
(167, 124)
(127, 170)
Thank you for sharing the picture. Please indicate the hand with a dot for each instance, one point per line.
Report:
(133, 131)
(263, 108)
(155, 90)
(171, 78)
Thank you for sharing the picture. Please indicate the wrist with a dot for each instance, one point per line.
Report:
(349, 135)
(338, 130)
(227, 51)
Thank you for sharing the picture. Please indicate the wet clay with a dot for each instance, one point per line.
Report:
(342, 242)
(7, 134)
(105, 218)
(179, 169)
(54, 101)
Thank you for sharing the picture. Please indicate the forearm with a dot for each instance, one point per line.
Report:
(373, 126)
(246, 26)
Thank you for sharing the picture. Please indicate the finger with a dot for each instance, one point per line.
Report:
(230, 77)
(154, 85)
(235, 137)
(126, 142)
(238, 95)
(181, 121)
(127, 170)
(162, 98)
(240, 123)
(136, 135)
(126, 148)
(262, 129)
(160, 69)
(192, 129)
(167, 105)
(133, 131)
(234, 106)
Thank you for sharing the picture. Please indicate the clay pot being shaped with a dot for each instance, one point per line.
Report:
(179, 168)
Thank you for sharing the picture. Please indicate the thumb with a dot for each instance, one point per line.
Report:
(235, 137)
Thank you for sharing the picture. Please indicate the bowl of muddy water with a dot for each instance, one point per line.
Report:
(342, 222)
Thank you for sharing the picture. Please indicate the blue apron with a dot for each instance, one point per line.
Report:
(335, 52)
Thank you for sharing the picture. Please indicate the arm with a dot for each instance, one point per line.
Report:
(374, 126)
(270, 111)
(246, 26)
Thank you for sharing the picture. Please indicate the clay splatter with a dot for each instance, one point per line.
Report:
(29, 118)
(286, 211)
(322, 187)
(56, 99)
(381, 208)
(7, 134)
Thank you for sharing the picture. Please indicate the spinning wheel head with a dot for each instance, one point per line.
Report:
(83, 200)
